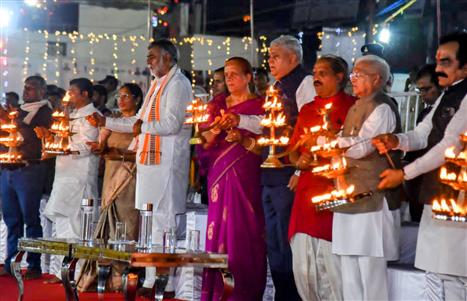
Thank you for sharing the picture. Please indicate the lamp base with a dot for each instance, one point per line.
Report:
(272, 161)
(197, 140)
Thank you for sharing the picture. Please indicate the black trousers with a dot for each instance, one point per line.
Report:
(277, 205)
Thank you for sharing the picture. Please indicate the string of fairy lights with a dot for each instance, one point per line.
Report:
(134, 42)
(46, 54)
(92, 60)
(56, 60)
(27, 50)
(354, 34)
(115, 55)
(4, 61)
(74, 61)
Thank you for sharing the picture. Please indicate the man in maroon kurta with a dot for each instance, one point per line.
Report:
(310, 231)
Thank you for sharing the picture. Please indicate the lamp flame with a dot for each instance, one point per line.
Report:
(449, 153)
(444, 175)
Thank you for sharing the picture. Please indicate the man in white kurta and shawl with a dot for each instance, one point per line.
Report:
(75, 174)
(365, 233)
(441, 245)
(162, 143)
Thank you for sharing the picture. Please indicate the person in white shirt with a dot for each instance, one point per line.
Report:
(162, 142)
(441, 246)
(365, 233)
(75, 174)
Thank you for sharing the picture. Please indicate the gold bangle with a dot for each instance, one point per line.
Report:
(252, 144)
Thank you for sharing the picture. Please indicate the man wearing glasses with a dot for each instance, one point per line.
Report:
(365, 232)
(428, 88)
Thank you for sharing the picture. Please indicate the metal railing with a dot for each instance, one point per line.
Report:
(409, 104)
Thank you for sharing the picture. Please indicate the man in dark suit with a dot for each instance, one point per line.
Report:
(429, 90)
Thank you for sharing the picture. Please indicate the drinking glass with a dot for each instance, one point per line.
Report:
(192, 244)
(120, 231)
(170, 240)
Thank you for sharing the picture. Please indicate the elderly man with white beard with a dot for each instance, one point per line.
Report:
(162, 146)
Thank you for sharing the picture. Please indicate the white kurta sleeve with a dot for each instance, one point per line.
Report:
(172, 119)
(305, 92)
(86, 133)
(122, 125)
(381, 120)
(434, 158)
(251, 123)
(417, 139)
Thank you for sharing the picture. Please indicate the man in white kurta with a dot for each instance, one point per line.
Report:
(366, 241)
(441, 245)
(165, 184)
(75, 174)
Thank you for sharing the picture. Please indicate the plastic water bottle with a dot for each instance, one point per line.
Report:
(145, 226)
(86, 219)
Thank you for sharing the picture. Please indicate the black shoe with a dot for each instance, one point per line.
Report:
(32, 274)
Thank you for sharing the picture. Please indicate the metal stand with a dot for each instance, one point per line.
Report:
(229, 283)
(68, 272)
(16, 272)
(130, 285)
(102, 275)
(162, 277)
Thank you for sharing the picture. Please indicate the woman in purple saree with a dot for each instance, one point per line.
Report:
(235, 215)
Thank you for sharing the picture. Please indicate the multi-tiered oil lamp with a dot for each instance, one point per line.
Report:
(274, 119)
(197, 109)
(333, 199)
(332, 170)
(453, 210)
(343, 194)
(12, 141)
(60, 129)
(327, 150)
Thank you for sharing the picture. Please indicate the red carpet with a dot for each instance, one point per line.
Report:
(35, 290)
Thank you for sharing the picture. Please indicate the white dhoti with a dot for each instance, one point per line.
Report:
(365, 242)
(64, 229)
(364, 278)
(442, 249)
(168, 199)
(316, 270)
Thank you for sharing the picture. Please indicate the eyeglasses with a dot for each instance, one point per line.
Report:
(357, 75)
(123, 95)
(421, 90)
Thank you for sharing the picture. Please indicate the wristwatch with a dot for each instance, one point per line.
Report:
(297, 172)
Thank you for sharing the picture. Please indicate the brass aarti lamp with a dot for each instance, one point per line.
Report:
(197, 109)
(274, 119)
(61, 132)
(452, 209)
(12, 141)
(343, 193)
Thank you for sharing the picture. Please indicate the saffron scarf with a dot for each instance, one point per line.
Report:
(151, 152)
